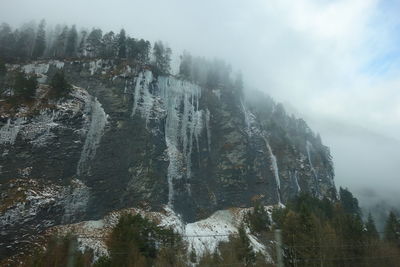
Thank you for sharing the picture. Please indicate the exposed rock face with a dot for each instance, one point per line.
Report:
(130, 139)
(29, 207)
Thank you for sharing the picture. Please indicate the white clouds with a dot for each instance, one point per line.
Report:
(339, 20)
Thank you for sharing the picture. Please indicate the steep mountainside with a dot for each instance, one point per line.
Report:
(128, 138)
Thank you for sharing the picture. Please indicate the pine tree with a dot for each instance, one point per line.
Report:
(3, 73)
(3, 77)
(138, 50)
(93, 43)
(158, 54)
(258, 219)
(25, 39)
(25, 87)
(132, 48)
(40, 41)
(167, 60)
(192, 255)
(143, 51)
(136, 240)
(3, 69)
(185, 67)
(71, 44)
(121, 44)
(349, 202)
(108, 45)
(51, 39)
(60, 86)
(7, 42)
(372, 233)
(162, 58)
(244, 250)
(60, 251)
(392, 229)
(82, 44)
(60, 43)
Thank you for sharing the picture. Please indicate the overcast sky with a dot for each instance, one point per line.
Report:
(334, 62)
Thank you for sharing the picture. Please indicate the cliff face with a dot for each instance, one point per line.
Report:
(125, 138)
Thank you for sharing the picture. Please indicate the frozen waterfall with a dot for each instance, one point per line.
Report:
(183, 126)
(98, 120)
(184, 122)
(308, 146)
(253, 129)
(295, 179)
(208, 115)
(275, 170)
(142, 94)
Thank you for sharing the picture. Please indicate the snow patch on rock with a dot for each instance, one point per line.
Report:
(38, 129)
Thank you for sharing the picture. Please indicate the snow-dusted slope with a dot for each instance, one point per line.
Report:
(202, 236)
(37, 144)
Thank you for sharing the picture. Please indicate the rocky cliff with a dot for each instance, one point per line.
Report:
(128, 138)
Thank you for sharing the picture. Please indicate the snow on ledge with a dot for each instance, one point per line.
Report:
(202, 236)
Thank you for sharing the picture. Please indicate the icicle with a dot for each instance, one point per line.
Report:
(208, 130)
(37, 68)
(95, 132)
(58, 64)
(183, 123)
(198, 126)
(136, 94)
(246, 118)
(274, 168)
(142, 93)
(94, 66)
(181, 128)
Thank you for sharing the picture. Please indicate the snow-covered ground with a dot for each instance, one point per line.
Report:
(202, 236)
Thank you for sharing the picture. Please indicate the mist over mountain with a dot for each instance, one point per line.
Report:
(366, 162)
